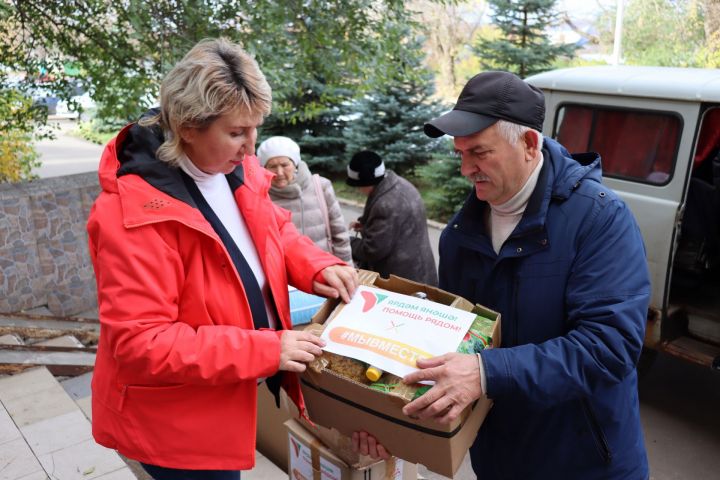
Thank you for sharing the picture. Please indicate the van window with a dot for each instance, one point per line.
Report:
(638, 145)
(708, 143)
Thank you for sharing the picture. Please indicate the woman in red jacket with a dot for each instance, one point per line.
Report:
(193, 261)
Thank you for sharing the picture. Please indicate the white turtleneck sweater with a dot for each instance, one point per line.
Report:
(504, 218)
(215, 189)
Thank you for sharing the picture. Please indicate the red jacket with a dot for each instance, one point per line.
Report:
(175, 380)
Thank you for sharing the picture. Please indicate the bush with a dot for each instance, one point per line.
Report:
(17, 156)
(97, 131)
(18, 122)
(343, 190)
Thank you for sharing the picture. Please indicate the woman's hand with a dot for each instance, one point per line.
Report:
(356, 226)
(366, 444)
(297, 349)
(342, 281)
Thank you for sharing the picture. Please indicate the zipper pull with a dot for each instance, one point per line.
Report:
(123, 392)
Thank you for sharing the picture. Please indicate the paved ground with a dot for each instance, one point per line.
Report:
(66, 155)
(679, 402)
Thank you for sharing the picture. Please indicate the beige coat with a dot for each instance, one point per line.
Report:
(302, 200)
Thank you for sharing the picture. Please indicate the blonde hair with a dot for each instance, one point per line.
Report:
(512, 132)
(215, 77)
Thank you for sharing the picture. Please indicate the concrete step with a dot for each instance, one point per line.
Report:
(10, 339)
(16, 457)
(43, 418)
(63, 341)
(78, 388)
(264, 470)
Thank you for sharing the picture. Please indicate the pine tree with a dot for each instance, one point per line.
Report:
(390, 118)
(448, 187)
(523, 47)
(318, 130)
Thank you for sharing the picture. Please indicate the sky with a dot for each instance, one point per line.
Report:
(584, 9)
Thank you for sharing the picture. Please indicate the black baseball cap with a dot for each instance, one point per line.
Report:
(487, 98)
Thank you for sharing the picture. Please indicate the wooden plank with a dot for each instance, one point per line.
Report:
(86, 336)
(50, 318)
(59, 360)
(693, 350)
(47, 322)
(57, 370)
(47, 348)
(43, 327)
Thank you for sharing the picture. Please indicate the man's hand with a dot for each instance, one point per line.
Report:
(457, 384)
(297, 349)
(366, 444)
(342, 281)
(356, 226)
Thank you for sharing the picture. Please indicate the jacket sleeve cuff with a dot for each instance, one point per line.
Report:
(483, 379)
(270, 351)
(496, 370)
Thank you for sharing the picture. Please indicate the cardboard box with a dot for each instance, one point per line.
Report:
(271, 434)
(334, 401)
(309, 459)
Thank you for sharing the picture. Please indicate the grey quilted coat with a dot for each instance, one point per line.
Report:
(394, 236)
(302, 199)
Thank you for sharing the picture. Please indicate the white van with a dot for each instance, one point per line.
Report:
(658, 133)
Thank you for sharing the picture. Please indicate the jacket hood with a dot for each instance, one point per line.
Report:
(560, 175)
(134, 151)
(569, 169)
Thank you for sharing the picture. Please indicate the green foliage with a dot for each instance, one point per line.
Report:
(524, 47)
(17, 156)
(709, 55)
(564, 62)
(124, 48)
(96, 131)
(18, 118)
(390, 119)
(317, 114)
(320, 134)
(448, 188)
(343, 190)
(658, 32)
(17, 111)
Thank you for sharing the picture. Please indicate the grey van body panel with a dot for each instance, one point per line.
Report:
(685, 327)
(685, 84)
(656, 207)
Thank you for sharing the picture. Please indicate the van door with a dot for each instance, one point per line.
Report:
(696, 275)
(645, 145)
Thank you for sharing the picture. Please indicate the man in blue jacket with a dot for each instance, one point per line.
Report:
(560, 256)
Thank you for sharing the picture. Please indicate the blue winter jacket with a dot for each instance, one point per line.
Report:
(572, 285)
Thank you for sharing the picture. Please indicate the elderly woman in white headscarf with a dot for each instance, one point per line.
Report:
(310, 198)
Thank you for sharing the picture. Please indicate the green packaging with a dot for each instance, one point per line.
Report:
(478, 337)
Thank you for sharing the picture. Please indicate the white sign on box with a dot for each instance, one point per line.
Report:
(391, 331)
(301, 463)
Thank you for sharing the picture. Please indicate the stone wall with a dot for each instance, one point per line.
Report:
(44, 259)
